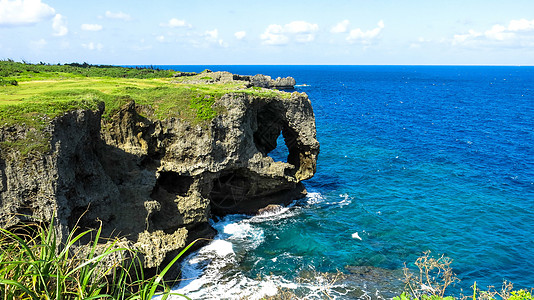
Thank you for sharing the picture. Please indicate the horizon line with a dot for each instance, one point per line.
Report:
(385, 65)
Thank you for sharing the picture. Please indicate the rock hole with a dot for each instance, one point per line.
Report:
(175, 183)
(273, 137)
(290, 140)
(228, 191)
(281, 152)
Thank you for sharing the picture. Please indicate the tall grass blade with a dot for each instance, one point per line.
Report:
(20, 286)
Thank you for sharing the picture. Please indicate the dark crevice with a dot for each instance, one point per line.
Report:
(174, 183)
(229, 190)
(290, 138)
(165, 214)
(269, 127)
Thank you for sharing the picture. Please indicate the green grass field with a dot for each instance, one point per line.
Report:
(32, 95)
(167, 96)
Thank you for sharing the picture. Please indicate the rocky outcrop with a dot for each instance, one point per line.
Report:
(267, 82)
(258, 80)
(155, 182)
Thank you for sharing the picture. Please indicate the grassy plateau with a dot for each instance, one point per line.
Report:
(33, 94)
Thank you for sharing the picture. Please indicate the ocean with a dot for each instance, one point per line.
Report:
(413, 158)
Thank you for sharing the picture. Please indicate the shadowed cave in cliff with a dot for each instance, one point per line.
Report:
(228, 191)
(169, 185)
(175, 183)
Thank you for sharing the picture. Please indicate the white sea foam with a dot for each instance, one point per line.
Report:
(220, 248)
(213, 271)
(314, 198)
(345, 201)
(356, 236)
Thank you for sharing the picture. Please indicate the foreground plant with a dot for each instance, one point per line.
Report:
(34, 266)
(506, 293)
(435, 276)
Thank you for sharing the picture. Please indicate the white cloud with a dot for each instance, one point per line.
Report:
(460, 38)
(160, 38)
(93, 46)
(518, 33)
(118, 15)
(299, 31)
(91, 27)
(59, 25)
(141, 46)
(274, 35)
(173, 23)
(240, 35)
(212, 36)
(340, 27)
(39, 43)
(365, 37)
(24, 12)
(498, 32)
(521, 25)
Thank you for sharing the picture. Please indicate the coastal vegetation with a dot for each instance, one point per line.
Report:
(434, 275)
(34, 265)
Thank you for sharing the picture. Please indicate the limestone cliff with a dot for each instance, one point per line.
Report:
(156, 183)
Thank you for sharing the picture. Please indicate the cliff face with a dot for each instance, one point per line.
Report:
(155, 183)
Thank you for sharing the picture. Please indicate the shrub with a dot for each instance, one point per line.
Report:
(506, 293)
(432, 280)
(435, 275)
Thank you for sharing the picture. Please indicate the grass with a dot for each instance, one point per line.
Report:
(25, 71)
(43, 92)
(33, 265)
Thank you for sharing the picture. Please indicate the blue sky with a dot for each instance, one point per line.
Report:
(360, 32)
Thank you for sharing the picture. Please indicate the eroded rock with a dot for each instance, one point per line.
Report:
(156, 183)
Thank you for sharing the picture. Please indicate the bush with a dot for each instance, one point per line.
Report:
(4, 82)
(435, 275)
(506, 293)
(432, 280)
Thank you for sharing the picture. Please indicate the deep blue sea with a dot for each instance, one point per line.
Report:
(413, 158)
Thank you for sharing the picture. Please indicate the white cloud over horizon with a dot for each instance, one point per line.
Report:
(91, 27)
(59, 25)
(174, 23)
(365, 37)
(299, 31)
(118, 15)
(93, 46)
(24, 12)
(39, 43)
(212, 36)
(340, 27)
(240, 35)
(518, 33)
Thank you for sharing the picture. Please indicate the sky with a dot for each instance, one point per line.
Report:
(287, 32)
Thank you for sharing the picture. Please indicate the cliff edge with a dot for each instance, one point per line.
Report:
(155, 182)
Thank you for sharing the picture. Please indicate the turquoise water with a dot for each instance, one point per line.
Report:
(413, 158)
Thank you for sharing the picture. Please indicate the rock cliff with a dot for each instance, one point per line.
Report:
(155, 183)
